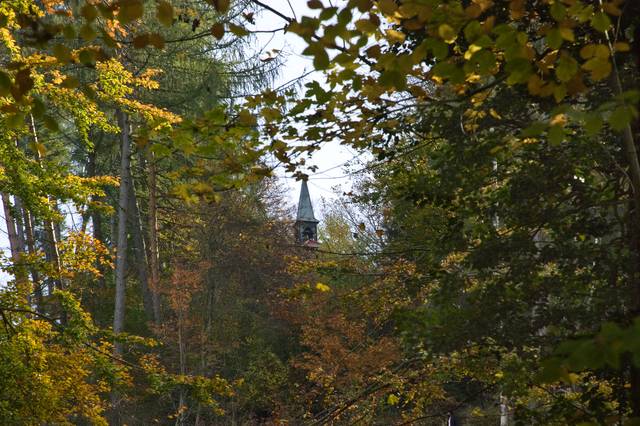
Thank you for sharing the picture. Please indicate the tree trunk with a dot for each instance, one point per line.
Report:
(27, 219)
(17, 249)
(154, 263)
(140, 250)
(121, 248)
(631, 153)
(52, 254)
(96, 217)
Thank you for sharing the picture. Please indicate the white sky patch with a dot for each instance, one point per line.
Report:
(332, 157)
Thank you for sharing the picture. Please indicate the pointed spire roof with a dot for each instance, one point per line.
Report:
(305, 209)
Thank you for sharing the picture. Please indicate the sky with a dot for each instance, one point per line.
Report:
(332, 157)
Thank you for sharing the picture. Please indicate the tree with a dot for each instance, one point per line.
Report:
(505, 150)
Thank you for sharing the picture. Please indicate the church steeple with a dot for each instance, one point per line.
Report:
(306, 222)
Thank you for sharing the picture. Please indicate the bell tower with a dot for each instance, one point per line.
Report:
(306, 223)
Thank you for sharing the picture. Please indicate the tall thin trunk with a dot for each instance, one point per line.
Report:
(139, 251)
(51, 241)
(631, 153)
(17, 249)
(96, 217)
(154, 263)
(121, 250)
(19, 225)
(52, 253)
(504, 411)
(183, 369)
(22, 242)
(27, 219)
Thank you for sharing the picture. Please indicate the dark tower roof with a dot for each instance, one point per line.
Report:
(305, 209)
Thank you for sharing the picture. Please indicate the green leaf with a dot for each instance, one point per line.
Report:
(554, 38)
(62, 53)
(601, 21)
(555, 135)
(320, 55)
(50, 123)
(87, 57)
(558, 11)
(621, 117)
(447, 33)
(518, 70)
(473, 31)
(238, 30)
(449, 71)
(393, 79)
(552, 371)
(566, 68)
(328, 13)
(89, 12)
(438, 47)
(88, 33)
(593, 124)
(535, 129)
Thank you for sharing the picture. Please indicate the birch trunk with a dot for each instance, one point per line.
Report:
(154, 263)
(17, 249)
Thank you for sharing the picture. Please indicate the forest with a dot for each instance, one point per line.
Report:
(483, 269)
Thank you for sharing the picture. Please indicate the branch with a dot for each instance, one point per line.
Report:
(272, 10)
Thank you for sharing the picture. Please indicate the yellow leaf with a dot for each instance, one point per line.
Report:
(601, 51)
(395, 36)
(558, 119)
(567, 33)
(599, 68)
(323, 287)
(392, 399)
(366, 25)
(588, 51)
(621, 46)
(471, 50)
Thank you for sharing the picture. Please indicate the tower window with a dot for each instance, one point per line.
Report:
(307, 234)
